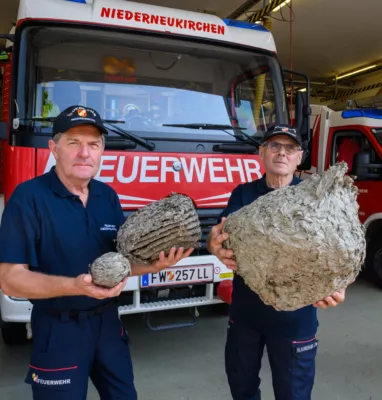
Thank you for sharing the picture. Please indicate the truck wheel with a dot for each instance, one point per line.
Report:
(374, 261)
(14, 334)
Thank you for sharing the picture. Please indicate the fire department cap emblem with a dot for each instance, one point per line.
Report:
(284, 129)
(82, 112)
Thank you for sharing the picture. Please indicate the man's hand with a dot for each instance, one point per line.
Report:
(84, 286)
(173, 257)
(331, 301)
(215, 245)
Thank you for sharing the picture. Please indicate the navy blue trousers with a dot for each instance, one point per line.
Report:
(292, 364)
(67, 351)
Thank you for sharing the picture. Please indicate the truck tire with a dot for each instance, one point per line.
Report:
(14, 334)
(374, 261)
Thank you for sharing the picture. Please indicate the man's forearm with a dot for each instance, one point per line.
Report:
(23, 283)
(138, 269)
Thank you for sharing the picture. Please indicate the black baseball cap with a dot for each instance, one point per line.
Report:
(283, 129)
(77, 115)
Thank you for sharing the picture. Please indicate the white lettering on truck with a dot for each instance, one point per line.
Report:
(156, 169)
(194, 166)
(167, 21)
(145, 167)
(166, 168)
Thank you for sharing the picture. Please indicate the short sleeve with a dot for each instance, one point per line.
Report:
(235, 202)
(19, 234)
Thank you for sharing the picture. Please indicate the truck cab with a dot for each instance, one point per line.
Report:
(355, 137)
(186, 99)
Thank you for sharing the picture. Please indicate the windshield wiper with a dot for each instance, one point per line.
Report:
(202, 126)
(116, 129)
(129, 135)
(40, 119)
(217, 127)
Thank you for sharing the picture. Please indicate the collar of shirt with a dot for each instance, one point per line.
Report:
(59, 188)
(263, 188)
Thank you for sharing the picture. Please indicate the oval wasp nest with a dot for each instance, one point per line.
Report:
(298, 244)
(159, 226)
(109, 269)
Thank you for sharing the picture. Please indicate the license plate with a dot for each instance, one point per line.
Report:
(179, 276)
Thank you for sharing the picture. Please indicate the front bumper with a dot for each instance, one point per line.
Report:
(19, 310)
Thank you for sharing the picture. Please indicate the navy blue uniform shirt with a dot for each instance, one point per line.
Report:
(247, 308)
(47, 227)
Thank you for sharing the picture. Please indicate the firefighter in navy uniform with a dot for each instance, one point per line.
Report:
(290, 337)
(52, 229)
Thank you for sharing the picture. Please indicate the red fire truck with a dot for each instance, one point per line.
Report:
(185, 97)
(354, 136)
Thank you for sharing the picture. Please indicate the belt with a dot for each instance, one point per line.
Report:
(86, 313)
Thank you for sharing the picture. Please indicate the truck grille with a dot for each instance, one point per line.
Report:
(208, 218)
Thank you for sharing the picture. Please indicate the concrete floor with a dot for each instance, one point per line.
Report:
(187, 364)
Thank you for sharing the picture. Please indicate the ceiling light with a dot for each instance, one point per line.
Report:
(302, 90)
(357, 71)
(281, 5)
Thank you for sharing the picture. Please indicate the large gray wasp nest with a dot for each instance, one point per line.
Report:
(159, 226)
(170, 222)
(298, 244)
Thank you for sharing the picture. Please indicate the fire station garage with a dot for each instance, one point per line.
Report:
(221, 103)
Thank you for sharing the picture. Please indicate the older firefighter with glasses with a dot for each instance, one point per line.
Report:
(290, 336)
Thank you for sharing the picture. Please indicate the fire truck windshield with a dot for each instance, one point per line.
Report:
(146, 82)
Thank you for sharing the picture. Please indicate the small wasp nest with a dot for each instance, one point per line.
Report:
(159, 226)
(298, 244)
(109, 269)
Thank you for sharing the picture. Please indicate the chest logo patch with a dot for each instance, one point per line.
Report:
(109, 227)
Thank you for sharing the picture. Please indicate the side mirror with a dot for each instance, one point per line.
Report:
(302, 122)
(363, 169)
(302, 114)
(306, 162)
(361, 164)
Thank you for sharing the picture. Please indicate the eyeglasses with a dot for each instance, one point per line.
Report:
(275, 147)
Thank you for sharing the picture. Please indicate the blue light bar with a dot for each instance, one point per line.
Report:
(362, 113)
(79, 1)
(244, 25)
